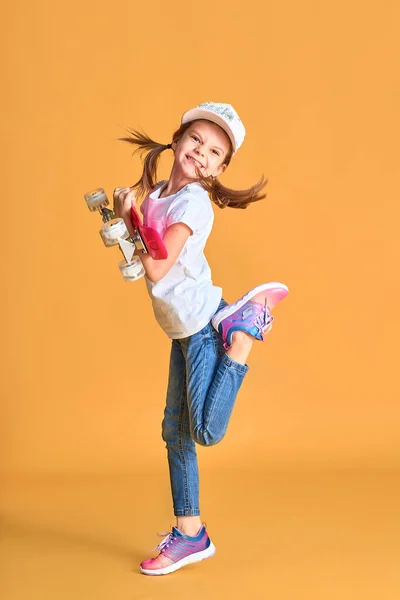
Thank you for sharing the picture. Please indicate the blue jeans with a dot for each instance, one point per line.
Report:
(202, 388)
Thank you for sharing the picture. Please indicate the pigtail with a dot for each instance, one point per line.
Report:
(223, 196)
(150, 163)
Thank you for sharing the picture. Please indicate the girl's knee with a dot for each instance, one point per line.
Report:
(168, 431)
(206, 438)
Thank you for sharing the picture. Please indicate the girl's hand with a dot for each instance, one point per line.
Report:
(124, 198)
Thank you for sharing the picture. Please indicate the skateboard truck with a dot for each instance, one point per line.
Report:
(114, 232)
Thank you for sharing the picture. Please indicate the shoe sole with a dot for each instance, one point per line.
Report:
(192, 558)
(274, 292)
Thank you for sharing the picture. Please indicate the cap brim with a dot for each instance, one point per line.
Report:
(201, 113)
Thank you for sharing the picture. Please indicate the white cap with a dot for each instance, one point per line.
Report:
(223, 115)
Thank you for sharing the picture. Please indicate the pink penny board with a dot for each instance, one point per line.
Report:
(151, 237)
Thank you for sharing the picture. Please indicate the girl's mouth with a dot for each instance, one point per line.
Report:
(195, 162)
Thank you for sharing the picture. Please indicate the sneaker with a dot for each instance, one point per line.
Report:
(178, 550)
(249, 316)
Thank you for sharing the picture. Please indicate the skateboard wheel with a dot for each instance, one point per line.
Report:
(132, 270)
(96, 199)
(113, 232)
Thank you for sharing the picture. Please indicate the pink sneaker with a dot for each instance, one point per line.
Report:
(178, 550)
(247, 315)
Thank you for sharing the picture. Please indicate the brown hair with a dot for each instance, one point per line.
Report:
(221, 195)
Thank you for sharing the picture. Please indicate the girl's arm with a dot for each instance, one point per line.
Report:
(174, 239)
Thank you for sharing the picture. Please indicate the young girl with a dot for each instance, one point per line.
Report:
(211, 340)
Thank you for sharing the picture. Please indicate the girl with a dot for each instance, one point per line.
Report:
(211, 340)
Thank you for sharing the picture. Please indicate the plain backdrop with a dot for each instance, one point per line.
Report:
(84, 362)
(302, 494)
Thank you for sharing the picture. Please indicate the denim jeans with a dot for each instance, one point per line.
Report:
(202, 388)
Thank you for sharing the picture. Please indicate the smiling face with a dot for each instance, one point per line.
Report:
(203, 145)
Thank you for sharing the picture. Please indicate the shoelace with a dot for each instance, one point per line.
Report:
(169, 538)
(263, 320)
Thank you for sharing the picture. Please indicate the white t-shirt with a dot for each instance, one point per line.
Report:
(185, 299)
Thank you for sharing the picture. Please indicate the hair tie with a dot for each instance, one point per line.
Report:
(169, 146)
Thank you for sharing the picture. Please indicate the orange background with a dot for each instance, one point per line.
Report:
(84, 362)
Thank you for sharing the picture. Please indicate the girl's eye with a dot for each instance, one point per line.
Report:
(195, 138)
(216, 152)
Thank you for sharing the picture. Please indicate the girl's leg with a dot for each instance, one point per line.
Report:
(181, 449)
(213, 381)
(242, 344)
(213, 376)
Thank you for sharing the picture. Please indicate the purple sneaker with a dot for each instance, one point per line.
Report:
(249, 316)
(178, 550)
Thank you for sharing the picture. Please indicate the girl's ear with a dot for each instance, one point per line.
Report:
(174, 144)
(220, 170)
